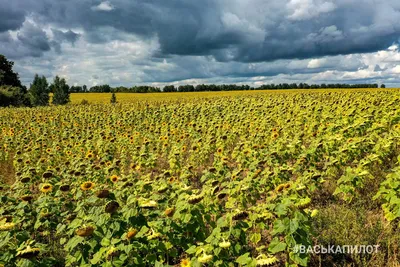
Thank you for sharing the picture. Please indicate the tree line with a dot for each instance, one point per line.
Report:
(212, 88)
(13, 93)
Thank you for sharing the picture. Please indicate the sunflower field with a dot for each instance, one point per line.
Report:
(225, 181)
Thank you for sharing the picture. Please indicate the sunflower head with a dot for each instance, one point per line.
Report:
(64, 188)
(131, 233)
(114, 178)
(46, 188)
(87, 186)
(112, 252)
(104, 193)
(240, 215)
(304, 203)
(169, 212)
(112, 207)
(27, 198)
(224, 244)
(280, 188)
(149, 205)
(185, 263)
(85, 230)
(28, 253)
(25, 180)
(266, 261)
(195, 199)
(205, 258)
(6, 226)
(47, 174)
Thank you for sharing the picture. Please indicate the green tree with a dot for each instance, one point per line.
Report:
(60, 90)
(113, 99)
(7, 75)
(13, 96)
(39, 91)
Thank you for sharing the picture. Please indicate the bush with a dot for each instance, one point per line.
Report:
(13, 96)
(113, 99)
(84, 102)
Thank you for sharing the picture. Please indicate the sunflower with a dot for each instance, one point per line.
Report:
(132, 166)
(114, 178)
(47, 174)
(241, 215)
(149, 205)
(185, 263)
(304, 203)
(314, 213)
(85, 230)
(169, 212)
(46, 188)
(153, 236)
(112, 207)
(27, 198)
(224, 244)
(89, 155)
(103, 193)
(28, 253)
(205, 258)
(87, 186)
(280, 188)
(25, 180)
(266, 261)
(131, 233)
(220, 150)
(195, 199)
(64, 188)
(7, 226)
(113, 252)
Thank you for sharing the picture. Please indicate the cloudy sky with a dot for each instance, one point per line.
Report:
(127, 42)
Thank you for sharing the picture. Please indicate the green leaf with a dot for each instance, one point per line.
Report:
(105, 242)
(244, 259)
(191, 250)
(293, 226)
(255, 238)
(73, 242)
(280, 226)
(298, 258)
(276, 246)
(98, 255)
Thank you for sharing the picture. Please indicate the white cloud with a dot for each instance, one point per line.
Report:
(103, 6)
(307, 9)
(316, 63)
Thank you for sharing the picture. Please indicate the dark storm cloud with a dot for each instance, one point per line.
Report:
(236, 30)
(11, 18)
(30, 41)
(235, 40)
(34, 38)
(68, 36)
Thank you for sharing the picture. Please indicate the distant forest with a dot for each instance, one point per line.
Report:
(211, 87)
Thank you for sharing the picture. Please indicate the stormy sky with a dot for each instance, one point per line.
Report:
(158, 42)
